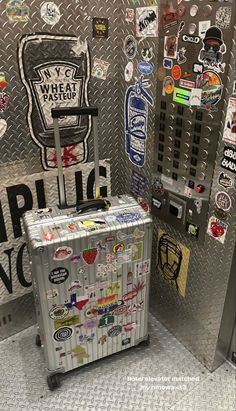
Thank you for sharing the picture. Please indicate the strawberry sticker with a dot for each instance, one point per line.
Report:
(90, 255)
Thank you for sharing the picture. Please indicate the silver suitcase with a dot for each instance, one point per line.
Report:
(90, 271)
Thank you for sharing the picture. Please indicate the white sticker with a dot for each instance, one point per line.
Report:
(217, 229)
(147, 21)
(62, 253)
(129, 70)
(100, 69)
(142, 268)
(195, 97)
(50, 13)
(203, 26)
(3, 127)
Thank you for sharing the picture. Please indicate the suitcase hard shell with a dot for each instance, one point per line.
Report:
(90, 277)
(90, 271)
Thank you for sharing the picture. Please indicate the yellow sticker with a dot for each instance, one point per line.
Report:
(66, 322)
(173, 262)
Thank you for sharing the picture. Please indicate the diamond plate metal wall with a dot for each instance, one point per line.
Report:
(195, 319)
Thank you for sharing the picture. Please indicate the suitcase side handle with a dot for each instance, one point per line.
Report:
(97, 204)
(58, 112)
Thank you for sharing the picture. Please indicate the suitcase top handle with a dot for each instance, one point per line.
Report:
(58, 112)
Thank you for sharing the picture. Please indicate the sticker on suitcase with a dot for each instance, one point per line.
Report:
(62, 253)
(128, 217)
(63, 334)
(58, 312)
(59, 275)
(106, 320)
(68, 321)
(136, 250)
(115, 331)
(76, 302)
(90, 255)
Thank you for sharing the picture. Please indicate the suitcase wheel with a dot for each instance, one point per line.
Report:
(145, 343)
(38, 340)
(53, 381)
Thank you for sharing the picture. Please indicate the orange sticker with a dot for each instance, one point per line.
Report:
(176, 72)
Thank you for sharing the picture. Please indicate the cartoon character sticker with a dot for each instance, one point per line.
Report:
(50, 13)
(212, 53)
(168, 85)
(212, 88)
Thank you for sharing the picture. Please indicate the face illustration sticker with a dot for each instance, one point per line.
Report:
(212, 53)
(168, 85)
(50, 13)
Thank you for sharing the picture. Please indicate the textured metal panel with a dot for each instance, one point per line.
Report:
(17, 315)
(112, 384)
(195, 319)
(76, 19)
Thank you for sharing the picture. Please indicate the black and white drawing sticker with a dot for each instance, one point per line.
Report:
(63, 334)
(223, 17)
(223, 200)
(147, 21)
(213, 50)
(59, 275)
(229, 160)
(225, 181)
(59, 80)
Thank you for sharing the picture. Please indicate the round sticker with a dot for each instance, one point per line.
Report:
(3, 127)
(129, 70)
(207, 9)
(222, 215)
(63, 334)
(176, 72)
(91, 312)
(114, 331)
(62, 253)
(130, 47)
(192, 28)
(118, 248)
(59, 275)
(194, 10)
(223, 201)
(50, 13)
(120, 310)
(58, 312)
(161, 73)
(168, 85)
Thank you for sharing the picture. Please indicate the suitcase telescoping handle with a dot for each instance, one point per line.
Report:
(58, 112)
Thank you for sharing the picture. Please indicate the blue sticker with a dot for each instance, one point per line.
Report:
(137, 100)
(145, 68)
(128, 217)
(167, 63)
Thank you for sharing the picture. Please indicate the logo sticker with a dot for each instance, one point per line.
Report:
(223, 200)
(129, 70)
(106, 320)
(229, 160)
(100, 27)
(130, 47)
(63, 334)
(58, 312)
(50, 13)
(176, 72)
(61, 80)
(182, 96)
(68, 321)
(191, 39)
(147, 21)
(115, 331)
(217, 229)
(62, 253)
(137, 101)
(225, 181)
(186, 83)
(100, 69)
(145, 68)
(59, 275)
(212, 88)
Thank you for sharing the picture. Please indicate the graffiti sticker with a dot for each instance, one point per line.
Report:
(212, 53)
(137, 100)
(147, 21)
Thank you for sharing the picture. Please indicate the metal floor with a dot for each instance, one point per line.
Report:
(138, 379)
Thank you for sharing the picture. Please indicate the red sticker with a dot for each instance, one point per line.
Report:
(90, 255)
(176, 72)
